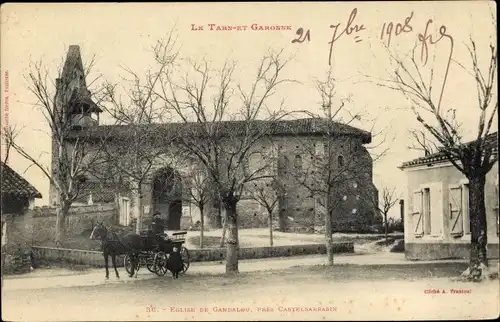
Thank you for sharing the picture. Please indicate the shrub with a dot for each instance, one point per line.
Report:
(19, 261)
(395, 225)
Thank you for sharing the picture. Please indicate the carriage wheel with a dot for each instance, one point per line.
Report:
(151, 267)
(127, 263)
(185, 259)
(160, 263)
(150, 263)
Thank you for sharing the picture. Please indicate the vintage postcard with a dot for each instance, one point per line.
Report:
(249, 161)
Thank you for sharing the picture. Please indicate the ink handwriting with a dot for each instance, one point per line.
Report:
(349, 29)
(388, 29)
(300, 33)
(426, 39)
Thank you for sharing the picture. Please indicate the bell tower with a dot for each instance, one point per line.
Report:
(73, 99)
(74, 108)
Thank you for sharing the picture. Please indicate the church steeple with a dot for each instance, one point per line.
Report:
(73, 99)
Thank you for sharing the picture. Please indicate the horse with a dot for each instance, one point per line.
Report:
(113, 244)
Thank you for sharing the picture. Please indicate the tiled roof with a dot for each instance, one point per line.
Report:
(306, 126)
(15, 185)
(440, 157)
(100, 193)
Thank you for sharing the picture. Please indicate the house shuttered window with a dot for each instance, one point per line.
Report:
(456, 211)
(417, 213)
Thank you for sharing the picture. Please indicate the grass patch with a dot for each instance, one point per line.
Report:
(208, 241)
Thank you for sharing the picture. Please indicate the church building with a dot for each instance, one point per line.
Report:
(298, 209)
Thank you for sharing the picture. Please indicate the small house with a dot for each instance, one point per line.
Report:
(437, 225)
(17, 201)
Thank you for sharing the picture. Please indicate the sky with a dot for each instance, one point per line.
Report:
(122, 35)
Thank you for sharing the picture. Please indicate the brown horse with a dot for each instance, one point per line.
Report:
(113, 244)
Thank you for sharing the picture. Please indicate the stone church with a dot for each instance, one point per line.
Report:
(297, 208)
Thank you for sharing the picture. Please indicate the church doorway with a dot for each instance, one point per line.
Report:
(167, 197)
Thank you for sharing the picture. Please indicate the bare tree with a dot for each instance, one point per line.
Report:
(140, 144)
(422, 143)
(219, 142)
(74, 152)
(199, 194)
(332, 167)
(384, 204)
(267, 194)
(7, 141)
(412, 77)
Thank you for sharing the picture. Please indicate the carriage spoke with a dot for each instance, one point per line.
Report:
(185, 259)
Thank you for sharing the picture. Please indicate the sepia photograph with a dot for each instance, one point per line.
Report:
(249, 161)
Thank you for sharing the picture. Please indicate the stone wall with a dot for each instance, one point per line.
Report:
(79, 220)
(16, 242)
(19, 231)
(95, 258)
(298, 203)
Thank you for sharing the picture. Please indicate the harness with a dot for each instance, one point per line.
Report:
(118, 239)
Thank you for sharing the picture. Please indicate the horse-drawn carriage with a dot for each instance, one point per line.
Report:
(156, 250)
(148, 249)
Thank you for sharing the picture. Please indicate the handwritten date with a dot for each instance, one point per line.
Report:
(389, 29)
(301, 37)
(350, 28)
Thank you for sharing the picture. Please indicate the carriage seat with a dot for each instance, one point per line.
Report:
(163, 235)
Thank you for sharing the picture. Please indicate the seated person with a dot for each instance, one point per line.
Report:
(157, 226)
(157, 231)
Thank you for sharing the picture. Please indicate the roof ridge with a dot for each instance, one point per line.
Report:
(440, 156)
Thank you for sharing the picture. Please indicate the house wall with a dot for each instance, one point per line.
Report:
(19, 230)
(443, 240)
(16, 243)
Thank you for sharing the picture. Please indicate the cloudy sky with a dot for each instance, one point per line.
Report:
(123, 35)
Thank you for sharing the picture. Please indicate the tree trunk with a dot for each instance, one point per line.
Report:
(328, 234)
(62, 212)
(218, 217)
(478, 225)
(138, 224)
(117, 207)
(271, 228)
(386, 229)
(282, 221)
(224, 228)
(202, 224)
(232, 238)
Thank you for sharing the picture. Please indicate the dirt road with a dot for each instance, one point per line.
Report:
(395, 292)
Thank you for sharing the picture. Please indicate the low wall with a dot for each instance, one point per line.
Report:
(95, 258)
(217, 254)
(79, 220)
